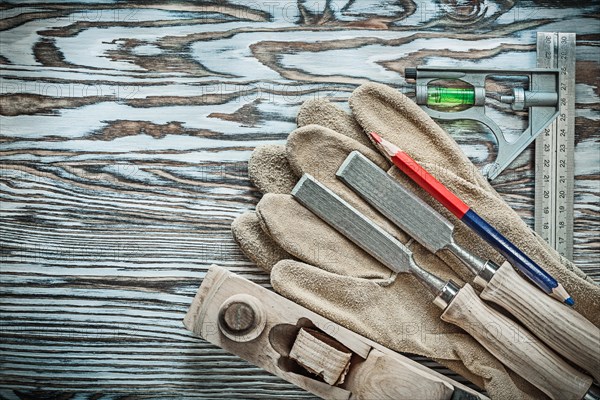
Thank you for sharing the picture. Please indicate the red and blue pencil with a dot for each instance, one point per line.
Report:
(463, 212)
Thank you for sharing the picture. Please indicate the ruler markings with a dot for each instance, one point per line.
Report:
(564, 145)
(555, 147)
(544, 161)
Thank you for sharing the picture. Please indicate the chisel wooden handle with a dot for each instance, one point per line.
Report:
(516, 347)
(560, 327)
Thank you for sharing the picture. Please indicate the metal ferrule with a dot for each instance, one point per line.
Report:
(593, 393)
(486, 274)
(471, 261)
(483, 270)
(445, 296)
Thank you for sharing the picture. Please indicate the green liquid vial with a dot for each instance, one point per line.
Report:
(450, 97)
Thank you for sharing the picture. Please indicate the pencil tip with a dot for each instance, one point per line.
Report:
(375, 137)
(561, 295)
(570, 302)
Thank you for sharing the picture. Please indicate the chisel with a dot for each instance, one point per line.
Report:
(560, 327)
(462, 211)
(516, 348)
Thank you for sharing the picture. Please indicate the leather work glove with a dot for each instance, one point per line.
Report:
(315, 266)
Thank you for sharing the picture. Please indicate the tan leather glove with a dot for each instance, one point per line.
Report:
(315, 266)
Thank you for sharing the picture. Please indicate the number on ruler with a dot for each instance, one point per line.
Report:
(548, 52)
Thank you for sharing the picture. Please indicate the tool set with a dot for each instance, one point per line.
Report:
(335, 363)
(479, 225)
(550, 102)
(563, 329)
(516, 348)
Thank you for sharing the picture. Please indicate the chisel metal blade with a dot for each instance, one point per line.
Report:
(404, 208)
(365, 233)
(352, 224)
(399, 205)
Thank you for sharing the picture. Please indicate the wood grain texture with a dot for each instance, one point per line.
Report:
(320, 358)
(516, 348)
(381, 377)
(125, 129)
(560, 327)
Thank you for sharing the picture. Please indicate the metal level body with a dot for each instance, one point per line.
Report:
(541, 101)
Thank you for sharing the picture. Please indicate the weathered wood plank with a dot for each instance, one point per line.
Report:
(124, 132)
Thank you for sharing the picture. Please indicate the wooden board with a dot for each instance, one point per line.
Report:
(125, 129)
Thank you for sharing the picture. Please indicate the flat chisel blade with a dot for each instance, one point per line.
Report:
(399, 205)
(352, 224)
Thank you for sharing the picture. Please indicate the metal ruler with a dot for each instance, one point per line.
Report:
(554, 148)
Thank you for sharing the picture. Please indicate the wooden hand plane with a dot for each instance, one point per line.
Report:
(306, 349)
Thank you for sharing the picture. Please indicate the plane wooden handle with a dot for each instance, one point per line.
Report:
(306, 349)
(516, 347)
(383, 377)
(560, 327)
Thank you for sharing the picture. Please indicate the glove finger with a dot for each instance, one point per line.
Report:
(255, 243)
(308, 238)
(268, 167)
(269, 170)
(323, 112)
(394, 116)
(401, 321)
